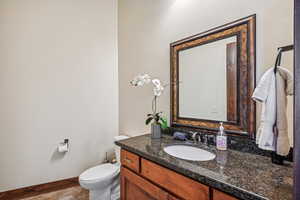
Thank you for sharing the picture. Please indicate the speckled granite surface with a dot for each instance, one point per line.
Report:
(243, 175)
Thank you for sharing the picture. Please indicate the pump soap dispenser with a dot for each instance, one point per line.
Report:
(221, 138)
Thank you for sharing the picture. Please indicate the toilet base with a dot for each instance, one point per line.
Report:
(99, 195)
(105, 195)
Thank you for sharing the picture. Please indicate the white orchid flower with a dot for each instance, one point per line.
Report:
(156, 82)
(146, 78)
(158, 87)
(141, 80)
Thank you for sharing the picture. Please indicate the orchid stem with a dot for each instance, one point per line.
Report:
(154, 105)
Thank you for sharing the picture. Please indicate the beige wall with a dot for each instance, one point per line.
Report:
(146, 28)
(58, 79)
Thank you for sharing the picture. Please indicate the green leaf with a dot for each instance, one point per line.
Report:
(164, 123)
(149, 120)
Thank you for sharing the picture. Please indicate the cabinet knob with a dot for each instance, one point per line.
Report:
(128, 160)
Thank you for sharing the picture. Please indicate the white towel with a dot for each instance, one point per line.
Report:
(266, 94)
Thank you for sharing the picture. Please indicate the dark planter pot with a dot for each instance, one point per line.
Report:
(155, 131)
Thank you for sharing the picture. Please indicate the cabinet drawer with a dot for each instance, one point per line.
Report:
(134, 187)
(175, 183)
(217, 195)
(130, 160)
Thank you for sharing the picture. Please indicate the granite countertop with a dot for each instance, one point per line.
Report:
(243, 175)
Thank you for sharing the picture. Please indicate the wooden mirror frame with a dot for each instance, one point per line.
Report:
(243, 117)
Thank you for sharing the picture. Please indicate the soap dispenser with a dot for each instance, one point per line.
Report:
(221, 138)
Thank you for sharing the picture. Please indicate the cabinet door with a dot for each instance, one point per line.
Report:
(130, 160)
(217, 195)
(173, 182)
(134, 187)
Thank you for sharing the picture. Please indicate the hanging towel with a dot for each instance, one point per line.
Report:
(265, 93)
(284, 81)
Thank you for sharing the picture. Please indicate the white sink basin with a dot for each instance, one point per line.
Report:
(189, 153)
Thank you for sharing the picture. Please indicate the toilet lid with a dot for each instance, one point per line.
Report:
(99, 172)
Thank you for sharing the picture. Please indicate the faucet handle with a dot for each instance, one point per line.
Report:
(205, 138)
(194, 133)
(211, 139)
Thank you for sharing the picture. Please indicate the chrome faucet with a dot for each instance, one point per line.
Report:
(196, 137)
(202, 137)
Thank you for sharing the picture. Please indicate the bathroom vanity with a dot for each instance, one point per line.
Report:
(148, 172)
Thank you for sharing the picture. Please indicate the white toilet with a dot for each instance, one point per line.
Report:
(102, 181)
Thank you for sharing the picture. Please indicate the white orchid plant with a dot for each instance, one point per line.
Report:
(158, 88)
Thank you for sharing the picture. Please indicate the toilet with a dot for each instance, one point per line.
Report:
(102, 181)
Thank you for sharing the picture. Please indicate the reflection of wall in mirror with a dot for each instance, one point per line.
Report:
(203, 88)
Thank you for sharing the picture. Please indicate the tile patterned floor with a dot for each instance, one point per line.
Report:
(73, 193)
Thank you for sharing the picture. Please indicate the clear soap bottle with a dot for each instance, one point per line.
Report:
(221, 138)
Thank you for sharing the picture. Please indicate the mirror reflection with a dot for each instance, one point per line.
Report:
(207, 78)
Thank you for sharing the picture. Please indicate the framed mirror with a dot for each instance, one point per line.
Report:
(207, 91)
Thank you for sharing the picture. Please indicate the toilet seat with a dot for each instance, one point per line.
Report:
(99, 173)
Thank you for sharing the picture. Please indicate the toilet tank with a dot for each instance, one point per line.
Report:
(117, 148)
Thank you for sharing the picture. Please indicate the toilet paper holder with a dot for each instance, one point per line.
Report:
(66, 141)
(63, 147)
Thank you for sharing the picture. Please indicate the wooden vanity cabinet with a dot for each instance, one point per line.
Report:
(130, 161)
(178, 184)
(217, 195)
(142, 179)
(134, 187)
